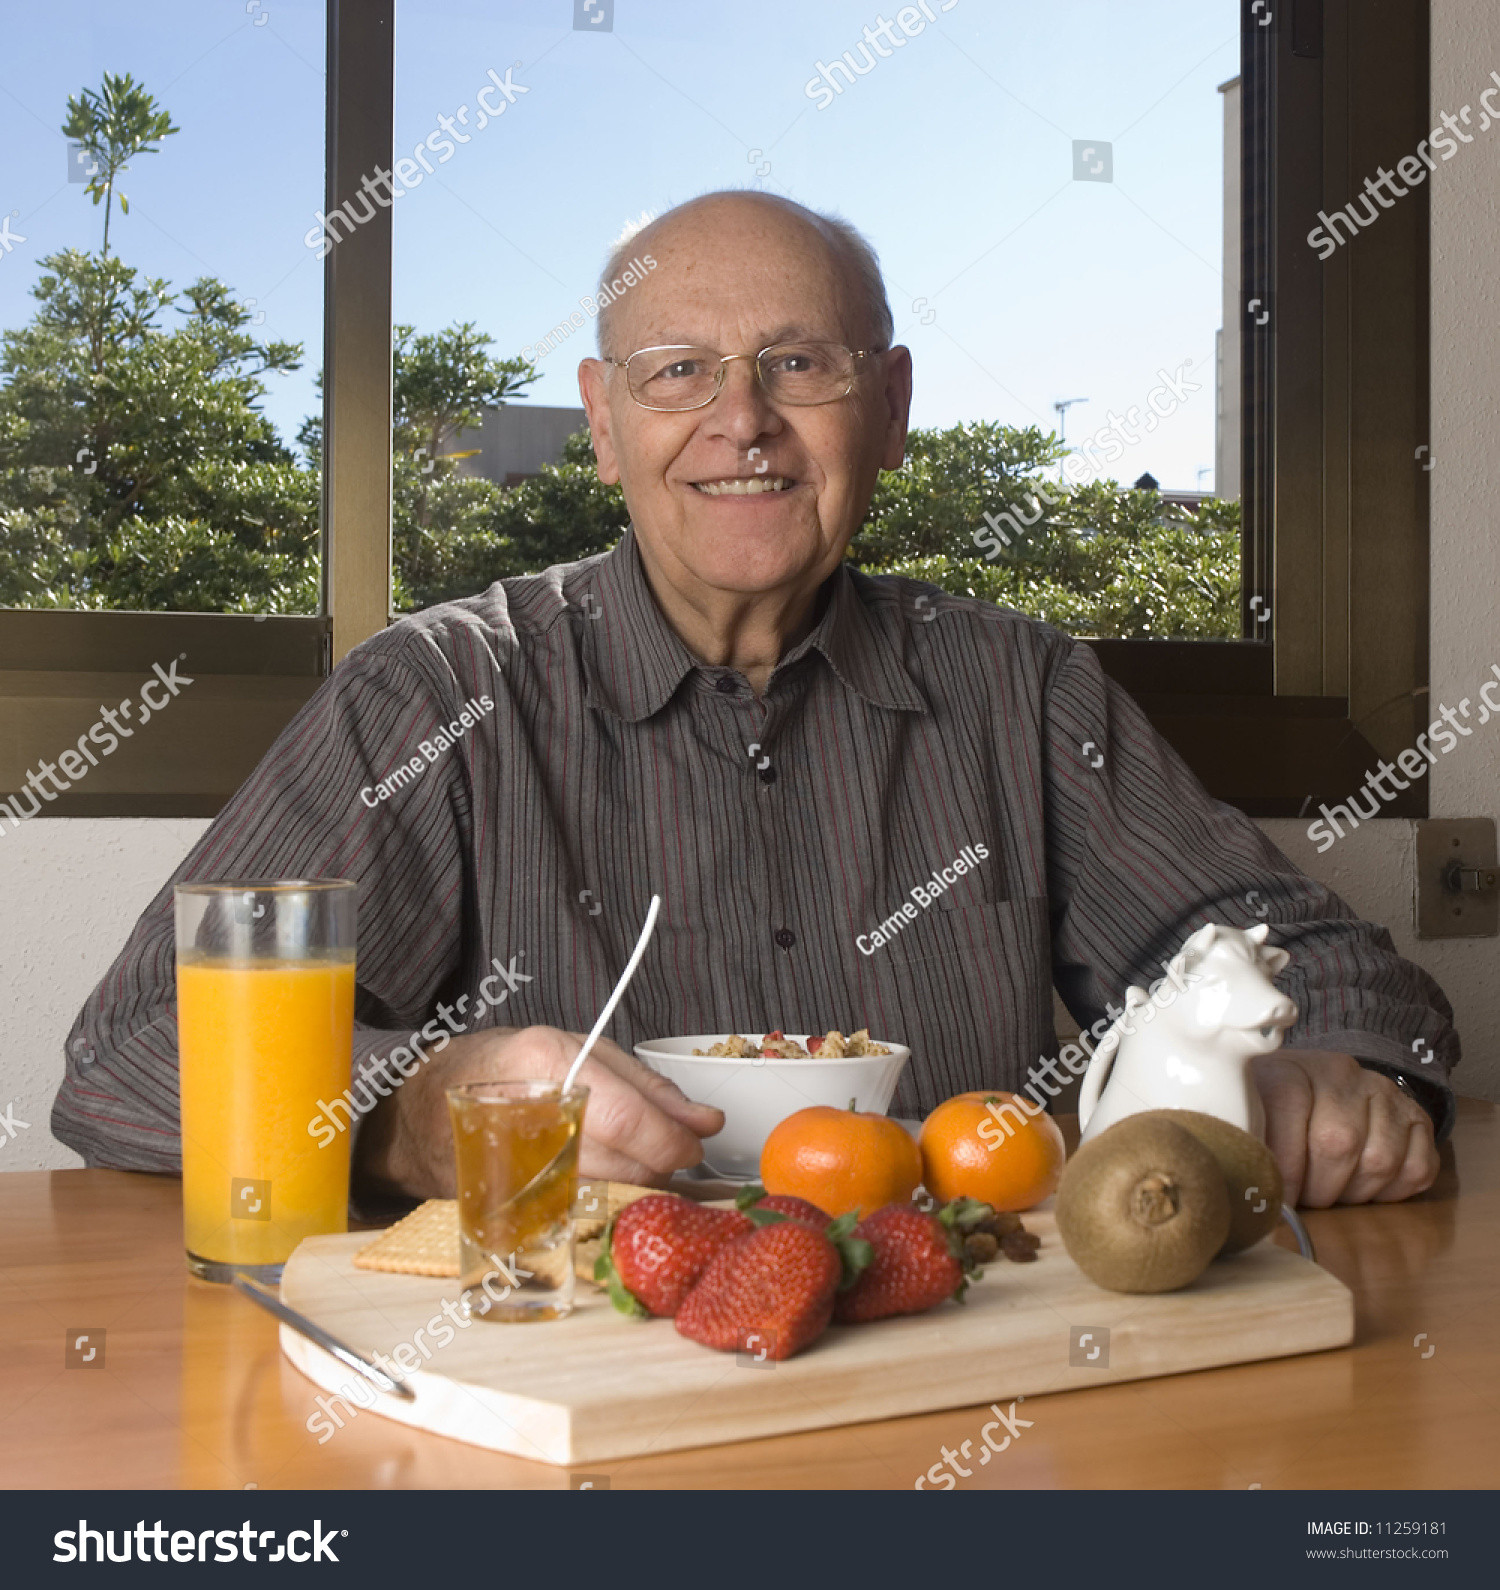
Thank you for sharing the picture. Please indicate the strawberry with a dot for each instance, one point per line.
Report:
(793, 1208)
(918, 1261)
(755, 1197)
(769, 1292)
(656, 1248)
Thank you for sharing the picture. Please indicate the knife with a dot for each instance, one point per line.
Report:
(314, 1332)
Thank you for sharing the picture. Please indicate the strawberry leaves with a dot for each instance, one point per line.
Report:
(620, 1295)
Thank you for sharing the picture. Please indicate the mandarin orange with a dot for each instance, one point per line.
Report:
(841, 1159)
(1012, 1164)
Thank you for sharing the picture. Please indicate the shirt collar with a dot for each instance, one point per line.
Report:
(634, 660)
(863, 643)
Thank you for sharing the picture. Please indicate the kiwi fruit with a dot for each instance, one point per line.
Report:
(1143, 1207)
(1255, 1188)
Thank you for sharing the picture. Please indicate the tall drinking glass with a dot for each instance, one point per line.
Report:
(265, 1017)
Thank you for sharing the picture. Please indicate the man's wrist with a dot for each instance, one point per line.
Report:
(1436, 1100)
(1389, 1058)
(402, 1150)
(373, 1172)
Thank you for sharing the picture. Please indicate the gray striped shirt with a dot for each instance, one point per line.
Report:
(938, 810)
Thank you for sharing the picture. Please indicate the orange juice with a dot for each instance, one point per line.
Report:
(260, 1042)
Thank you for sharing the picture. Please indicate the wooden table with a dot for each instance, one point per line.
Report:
(192, 1390)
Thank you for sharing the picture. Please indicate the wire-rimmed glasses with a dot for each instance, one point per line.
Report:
(675, 378)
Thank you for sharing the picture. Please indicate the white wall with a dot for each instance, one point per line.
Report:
(70, 888)
(70, 891)
(1466, 485)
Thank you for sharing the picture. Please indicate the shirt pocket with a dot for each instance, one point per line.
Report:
(986, 930)
(969, 990)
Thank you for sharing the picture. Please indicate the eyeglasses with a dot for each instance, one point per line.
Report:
(799, 374)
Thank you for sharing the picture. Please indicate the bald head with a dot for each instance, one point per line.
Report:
(744, 504)
(726, 218)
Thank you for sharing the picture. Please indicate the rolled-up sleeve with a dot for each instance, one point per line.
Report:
(310, 809)
(1140, 856)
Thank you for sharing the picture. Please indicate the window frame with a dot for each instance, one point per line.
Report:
(1334, 406)
(251, 673)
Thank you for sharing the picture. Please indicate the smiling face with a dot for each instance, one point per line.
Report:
(745, 497)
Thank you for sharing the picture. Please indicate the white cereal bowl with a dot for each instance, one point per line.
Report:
(756, 1094)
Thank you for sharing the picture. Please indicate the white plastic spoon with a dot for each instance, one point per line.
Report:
(620, 987)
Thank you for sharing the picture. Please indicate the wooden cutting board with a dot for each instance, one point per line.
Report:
(597, 1386)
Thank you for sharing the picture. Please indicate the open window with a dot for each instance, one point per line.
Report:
(1309, 421)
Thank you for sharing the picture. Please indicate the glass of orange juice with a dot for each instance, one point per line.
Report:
(265, 1018)
(516, 1151)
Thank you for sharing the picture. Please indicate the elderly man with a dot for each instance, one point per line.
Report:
(720, 710)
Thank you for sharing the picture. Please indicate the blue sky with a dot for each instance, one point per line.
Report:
(1014, 284)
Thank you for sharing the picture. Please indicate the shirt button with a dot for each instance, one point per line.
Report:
(726, 686)
(768, 775)
(785, 938)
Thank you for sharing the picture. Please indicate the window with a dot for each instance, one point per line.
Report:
(162, 324)
(1334, 380)
(1077, 204)
(1045, 191)
(162, 315)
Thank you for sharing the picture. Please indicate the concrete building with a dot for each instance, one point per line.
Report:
(515, 441)
(1227, 343)
(1191, 500)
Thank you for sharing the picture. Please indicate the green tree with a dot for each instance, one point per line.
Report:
(138, 471)
(557, 516)
(443, 522)
(931, 505)
(441, 384)
(113, 126)
(136, 468)
(1096, 559)
(1100, 559)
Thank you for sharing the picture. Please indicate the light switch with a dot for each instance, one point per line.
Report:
(1458, 882)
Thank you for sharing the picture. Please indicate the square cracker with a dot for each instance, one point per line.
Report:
(425, 1242)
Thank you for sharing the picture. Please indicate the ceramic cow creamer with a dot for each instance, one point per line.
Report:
(1188, 1043)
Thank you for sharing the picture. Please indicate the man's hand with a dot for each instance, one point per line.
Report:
(1342, 1133)
(638, 1126)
